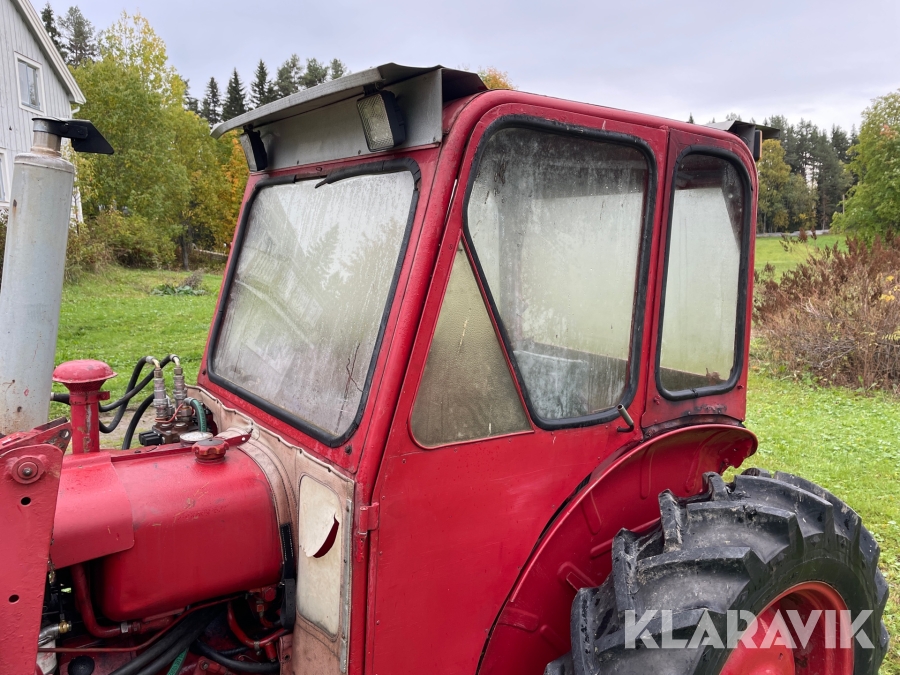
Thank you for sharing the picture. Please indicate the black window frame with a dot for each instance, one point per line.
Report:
(336, 174)
(642, 272)
(743, 280)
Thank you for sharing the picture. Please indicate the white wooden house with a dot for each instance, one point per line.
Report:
(34, 82)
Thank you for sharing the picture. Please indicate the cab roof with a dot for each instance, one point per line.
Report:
(454, 84)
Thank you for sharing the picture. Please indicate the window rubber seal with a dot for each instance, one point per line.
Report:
(641, 273)
(369, 168)
(741, 309)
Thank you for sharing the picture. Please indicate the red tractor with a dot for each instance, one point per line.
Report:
(478, 366)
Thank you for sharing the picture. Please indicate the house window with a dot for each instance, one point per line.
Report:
(31, 92)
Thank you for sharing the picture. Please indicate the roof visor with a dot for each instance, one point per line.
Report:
(323, 123)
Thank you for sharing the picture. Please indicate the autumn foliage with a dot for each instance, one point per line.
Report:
(494, 78)
(169, 186)
(835, 316)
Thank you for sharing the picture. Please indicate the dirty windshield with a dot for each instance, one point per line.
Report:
(305, 307)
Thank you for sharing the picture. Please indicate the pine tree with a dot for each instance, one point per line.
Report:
(190, 103)
(211, 109)
(338, 69)
(690, 118)
(288, 78)
(78, 37)
(262, 90)
(840, 141)
(49, 20)
(235, 98)
(316, 73)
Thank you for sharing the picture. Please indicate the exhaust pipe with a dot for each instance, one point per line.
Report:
(33, 266)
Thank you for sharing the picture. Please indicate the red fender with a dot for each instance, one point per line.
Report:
(532, 629)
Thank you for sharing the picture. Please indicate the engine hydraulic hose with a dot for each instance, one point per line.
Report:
(237, 666)
(122, 403)
(198, 409)
(176, 664)
(155, 657)
(132, 381)
(138, 414)
(177, 650)
(134, 388)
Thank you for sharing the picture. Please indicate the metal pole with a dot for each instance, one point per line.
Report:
(31, 291)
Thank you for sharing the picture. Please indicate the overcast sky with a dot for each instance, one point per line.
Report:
(819, 59)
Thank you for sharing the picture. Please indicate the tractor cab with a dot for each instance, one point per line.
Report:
(478, 365)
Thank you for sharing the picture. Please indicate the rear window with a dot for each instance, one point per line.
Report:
(311, 287)
(703, 276)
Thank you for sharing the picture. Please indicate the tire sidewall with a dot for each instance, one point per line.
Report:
(848, 577)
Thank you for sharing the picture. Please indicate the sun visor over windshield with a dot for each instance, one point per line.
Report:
(323, 123)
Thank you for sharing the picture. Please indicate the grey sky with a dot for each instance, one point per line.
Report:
(823, 60)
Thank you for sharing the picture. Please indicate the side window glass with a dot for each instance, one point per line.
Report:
(699, 324)
(556, 223)
(467, 391)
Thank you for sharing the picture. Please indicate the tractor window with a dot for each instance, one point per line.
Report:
(467, 391)
(702, 275)
(308, 296)
(556, 224)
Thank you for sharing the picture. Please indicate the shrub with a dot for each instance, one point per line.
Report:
(132, 241)
(192, 285)
(836, 316)
(84, 252)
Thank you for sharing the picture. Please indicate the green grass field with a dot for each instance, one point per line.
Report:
(113, 317)
(846, 442)
(771, 250)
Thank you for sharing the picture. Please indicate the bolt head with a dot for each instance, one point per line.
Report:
(27, 470)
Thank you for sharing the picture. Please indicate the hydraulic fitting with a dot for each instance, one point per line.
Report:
(179, 392)
(164, 411)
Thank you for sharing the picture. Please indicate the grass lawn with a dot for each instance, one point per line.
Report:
(770, 250)
(846, 442)
(113, 317)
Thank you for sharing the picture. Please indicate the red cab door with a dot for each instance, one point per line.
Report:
(531, 335)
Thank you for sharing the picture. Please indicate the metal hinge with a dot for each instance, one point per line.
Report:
(368, 518)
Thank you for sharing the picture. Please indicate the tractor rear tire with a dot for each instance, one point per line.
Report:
(760, 544)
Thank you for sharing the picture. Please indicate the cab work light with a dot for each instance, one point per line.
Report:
(254, 150)
(382, 121)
